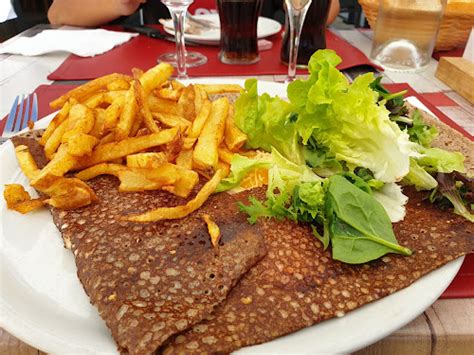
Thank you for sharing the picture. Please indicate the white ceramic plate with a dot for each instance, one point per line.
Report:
(266, 27)
(43, 303)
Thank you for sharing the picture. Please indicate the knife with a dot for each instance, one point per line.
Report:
(154, 33)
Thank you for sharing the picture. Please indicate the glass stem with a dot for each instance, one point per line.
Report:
(296, 19)
(178, 16)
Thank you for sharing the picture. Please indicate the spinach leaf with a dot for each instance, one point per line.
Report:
(359, 227)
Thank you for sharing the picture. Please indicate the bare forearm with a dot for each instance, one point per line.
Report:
(333, 11)
(89, 13)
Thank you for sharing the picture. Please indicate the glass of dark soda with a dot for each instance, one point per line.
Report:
(238, 21)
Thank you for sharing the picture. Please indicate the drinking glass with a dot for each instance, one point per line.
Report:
(405, 33)
(296, 13)
(239, 19)
(181, 59)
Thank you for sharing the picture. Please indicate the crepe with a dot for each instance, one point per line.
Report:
(298, 284)
(150, 281)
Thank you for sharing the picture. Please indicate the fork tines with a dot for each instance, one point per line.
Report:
(23, 110)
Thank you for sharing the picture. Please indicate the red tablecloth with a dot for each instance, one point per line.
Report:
(141, 52)
(462, 285)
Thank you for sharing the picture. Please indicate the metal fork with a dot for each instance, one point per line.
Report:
(24, 109)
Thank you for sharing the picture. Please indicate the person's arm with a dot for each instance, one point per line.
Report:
(90, 13)
(333, 11)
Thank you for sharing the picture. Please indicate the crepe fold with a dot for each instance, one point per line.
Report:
(298, 284)
(150, 281)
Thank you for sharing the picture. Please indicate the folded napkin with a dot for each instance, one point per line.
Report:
(82, 42)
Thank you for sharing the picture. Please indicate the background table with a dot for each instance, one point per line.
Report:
(446, 327)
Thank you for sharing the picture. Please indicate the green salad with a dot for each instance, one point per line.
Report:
(337, 156)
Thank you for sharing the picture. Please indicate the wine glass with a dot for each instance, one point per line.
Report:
(296, 13)
(181, 59)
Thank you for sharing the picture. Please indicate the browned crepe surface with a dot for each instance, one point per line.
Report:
(298, 284)
(152, 280)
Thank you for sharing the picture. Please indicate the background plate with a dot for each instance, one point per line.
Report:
(43, 303)
(266, 27)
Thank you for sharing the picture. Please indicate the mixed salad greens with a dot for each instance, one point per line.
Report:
(338, 153)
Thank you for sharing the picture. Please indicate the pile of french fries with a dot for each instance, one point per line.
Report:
(149, 131)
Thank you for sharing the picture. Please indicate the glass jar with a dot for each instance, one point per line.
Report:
(405, 33)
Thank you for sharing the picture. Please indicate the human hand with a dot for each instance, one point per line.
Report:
(128, 7)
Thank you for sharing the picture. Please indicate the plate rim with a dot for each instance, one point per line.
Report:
(215, 41)
(46, 341)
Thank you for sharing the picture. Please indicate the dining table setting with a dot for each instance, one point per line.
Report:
(43, 306)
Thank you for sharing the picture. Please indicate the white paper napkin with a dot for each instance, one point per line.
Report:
(82, 42)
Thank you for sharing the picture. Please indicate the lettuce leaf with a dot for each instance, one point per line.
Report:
(239, 168)
(349, 120)
(268, 122)
(440, 160)
(420, 132)
(419, 177)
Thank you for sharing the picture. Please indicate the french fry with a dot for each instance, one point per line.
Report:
(81, 144)
(220, 88)
(179, 211)
(112, 113)
(234, 138)
(60, 117)
(100, 169)
(224, 167)
(114, 150)
(169, 93)
(95, 100)
(213, 229)
(158, 104)
(171, 120)
(81, 120)
(99, 123)
(109, 138)
(57, 167)
(137, 123)
(14, 194)
(28, 206)
(82, 92)
(119, 84)
(205, 156)
(185, 159)
(27, 163)
(176, 85)
(131, 181)
(127, 116)
(185, 105)
(70, 193)
(225, 155)
(198, 99)
(155, 76)
(188, 143)
(142, 132)
(144, 108)
(146, 160)
(200, 119)
(185, 184)
(18, 199)
(111, 96)
(173, 148)
(54, 141)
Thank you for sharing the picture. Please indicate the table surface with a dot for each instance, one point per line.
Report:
(446, 327)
